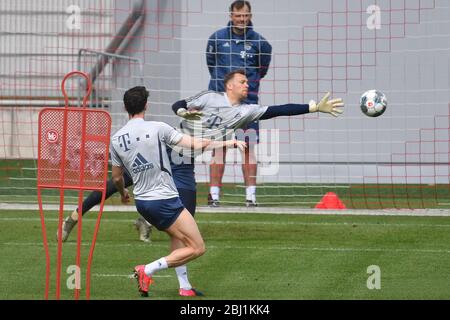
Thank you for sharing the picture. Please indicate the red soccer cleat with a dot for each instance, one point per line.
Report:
(189, 293)
(144, 281)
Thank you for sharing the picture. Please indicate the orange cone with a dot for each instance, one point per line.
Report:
(330, 201)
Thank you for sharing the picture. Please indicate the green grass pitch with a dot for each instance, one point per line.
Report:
(249, 256)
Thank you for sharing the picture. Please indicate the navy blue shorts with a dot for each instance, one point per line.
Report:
(189, 199)
(248, 133)
(160, 213)
(184, 176)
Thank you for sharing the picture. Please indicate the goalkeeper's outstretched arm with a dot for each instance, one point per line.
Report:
(327, 106)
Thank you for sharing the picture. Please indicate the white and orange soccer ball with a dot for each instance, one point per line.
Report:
(373, 103)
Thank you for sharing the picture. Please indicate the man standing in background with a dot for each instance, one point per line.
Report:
(238, 46)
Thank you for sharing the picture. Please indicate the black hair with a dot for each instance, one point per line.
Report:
(135, 100)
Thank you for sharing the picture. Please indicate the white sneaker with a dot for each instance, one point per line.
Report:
(144, 228)
(67, 227)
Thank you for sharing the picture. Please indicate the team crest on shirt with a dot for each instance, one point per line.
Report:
(248, 46)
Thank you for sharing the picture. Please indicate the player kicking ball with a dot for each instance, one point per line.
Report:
(140, 149)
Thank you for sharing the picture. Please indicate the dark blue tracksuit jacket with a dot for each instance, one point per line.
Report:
(227, 51)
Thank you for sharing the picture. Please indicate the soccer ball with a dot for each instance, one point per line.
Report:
(373, 103)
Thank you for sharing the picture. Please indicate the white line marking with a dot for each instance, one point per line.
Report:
(261, 210)
(356, 224)
(250, 222)
(296, 248)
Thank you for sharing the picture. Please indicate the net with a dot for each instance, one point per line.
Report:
(398, 160)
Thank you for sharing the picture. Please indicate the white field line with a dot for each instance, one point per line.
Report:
(248, 222)
(253, 248)
(262, 210)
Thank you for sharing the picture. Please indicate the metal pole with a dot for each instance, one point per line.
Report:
(138, 11)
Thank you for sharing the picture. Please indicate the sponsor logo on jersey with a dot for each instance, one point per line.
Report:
(245, 55)
(124, 141)
(141, 164)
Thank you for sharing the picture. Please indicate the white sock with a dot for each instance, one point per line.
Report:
(215, 192)
(154, 266)
(183, 277)
(250, 192)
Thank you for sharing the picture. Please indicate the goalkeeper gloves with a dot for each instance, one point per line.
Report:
(327, 106)
(189, 115)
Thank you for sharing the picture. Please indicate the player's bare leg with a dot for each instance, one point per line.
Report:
(216, 170)
(186, 289)
(185, 229)
(186, 238)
